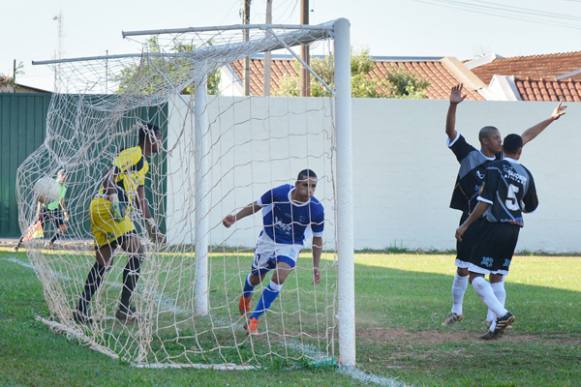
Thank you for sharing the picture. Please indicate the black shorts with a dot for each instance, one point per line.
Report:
(493, 250)
(469, 239)
(55, 216)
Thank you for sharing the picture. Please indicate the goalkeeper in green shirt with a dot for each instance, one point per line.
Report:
(54, 212)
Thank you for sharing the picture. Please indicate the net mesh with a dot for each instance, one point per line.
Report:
(251, 145)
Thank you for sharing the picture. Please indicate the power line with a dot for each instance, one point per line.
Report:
(510, 12)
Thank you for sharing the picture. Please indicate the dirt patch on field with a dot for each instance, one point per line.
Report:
(398, 336)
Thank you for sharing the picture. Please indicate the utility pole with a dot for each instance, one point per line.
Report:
(14, 75)
(305, 56)
(106, 71)
(59, 52)
(246, 35)
(267, 55)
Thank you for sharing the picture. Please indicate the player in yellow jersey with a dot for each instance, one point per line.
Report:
(120, 194)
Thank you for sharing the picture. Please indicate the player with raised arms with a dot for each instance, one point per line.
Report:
(473, 163)
(508, 192)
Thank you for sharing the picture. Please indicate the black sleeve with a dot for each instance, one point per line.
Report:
(531, 201)
(490, 185)
(461, 148)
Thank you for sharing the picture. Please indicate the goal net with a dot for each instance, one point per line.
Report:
(220, 150)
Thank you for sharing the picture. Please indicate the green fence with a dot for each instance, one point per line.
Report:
(23, 129)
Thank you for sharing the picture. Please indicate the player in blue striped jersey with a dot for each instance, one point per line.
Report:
(287, 213)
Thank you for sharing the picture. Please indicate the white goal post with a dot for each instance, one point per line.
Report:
(339, 32)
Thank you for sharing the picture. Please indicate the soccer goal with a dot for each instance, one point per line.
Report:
(221, 149)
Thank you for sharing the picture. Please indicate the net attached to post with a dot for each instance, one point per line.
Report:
(221, 150)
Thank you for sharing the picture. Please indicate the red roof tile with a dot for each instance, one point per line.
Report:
(533, 66)
(432, 70)
(548, 90)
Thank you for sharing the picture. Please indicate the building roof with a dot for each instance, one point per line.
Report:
(546, 66)
(435, 71)
(432, 69)
(548, 90)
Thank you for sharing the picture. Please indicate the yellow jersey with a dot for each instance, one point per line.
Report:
(131, 168)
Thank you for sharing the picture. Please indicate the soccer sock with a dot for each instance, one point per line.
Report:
(248, 287)
(269, 294)
(130, 277)
(458, 290)
(93, 282)
(490, 316)
(499, 291)
(484, 290)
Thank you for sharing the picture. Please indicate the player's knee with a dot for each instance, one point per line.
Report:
(462, 272)
(495, 278)
(473, 276)
(255, 279)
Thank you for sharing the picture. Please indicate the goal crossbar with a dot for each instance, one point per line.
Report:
(269, 43)
(324, 26)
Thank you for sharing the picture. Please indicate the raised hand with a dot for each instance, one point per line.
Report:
(456, 94)
(559, 111)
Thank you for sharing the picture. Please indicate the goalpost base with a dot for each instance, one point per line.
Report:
(77, 334)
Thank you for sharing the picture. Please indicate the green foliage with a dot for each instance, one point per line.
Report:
(6, 81)
(153, 75)
(398, 84)
(404, 85)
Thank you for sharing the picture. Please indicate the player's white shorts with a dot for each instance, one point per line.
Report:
(268, 253)
(461, 264)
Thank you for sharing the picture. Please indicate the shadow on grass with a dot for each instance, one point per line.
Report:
(399, 332)
(399, 313)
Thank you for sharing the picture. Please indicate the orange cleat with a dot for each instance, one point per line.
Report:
(252, 327)
(244, 304)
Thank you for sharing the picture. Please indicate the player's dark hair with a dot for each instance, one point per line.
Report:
(486, 132)
(147, 129)
(512, 143)
(305, 174)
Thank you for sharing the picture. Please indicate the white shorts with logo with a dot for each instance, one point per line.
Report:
(268, 253)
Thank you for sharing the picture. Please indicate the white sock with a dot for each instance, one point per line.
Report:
(484, 290)
(499, 291)
(458, 290)
(490, 316)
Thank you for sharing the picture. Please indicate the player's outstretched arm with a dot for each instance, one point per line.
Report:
(317, 249)
(455, 98)
(532, 132)
(250, 209)
(480, 208)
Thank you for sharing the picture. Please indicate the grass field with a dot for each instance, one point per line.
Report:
(401, 300)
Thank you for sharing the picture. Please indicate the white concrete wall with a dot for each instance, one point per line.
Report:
(403, 171)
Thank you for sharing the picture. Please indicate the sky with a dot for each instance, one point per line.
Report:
(459, 28)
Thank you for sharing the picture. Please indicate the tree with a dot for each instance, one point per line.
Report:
(398, 84)
(159, 72)
(404, 85)
(6, 83)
